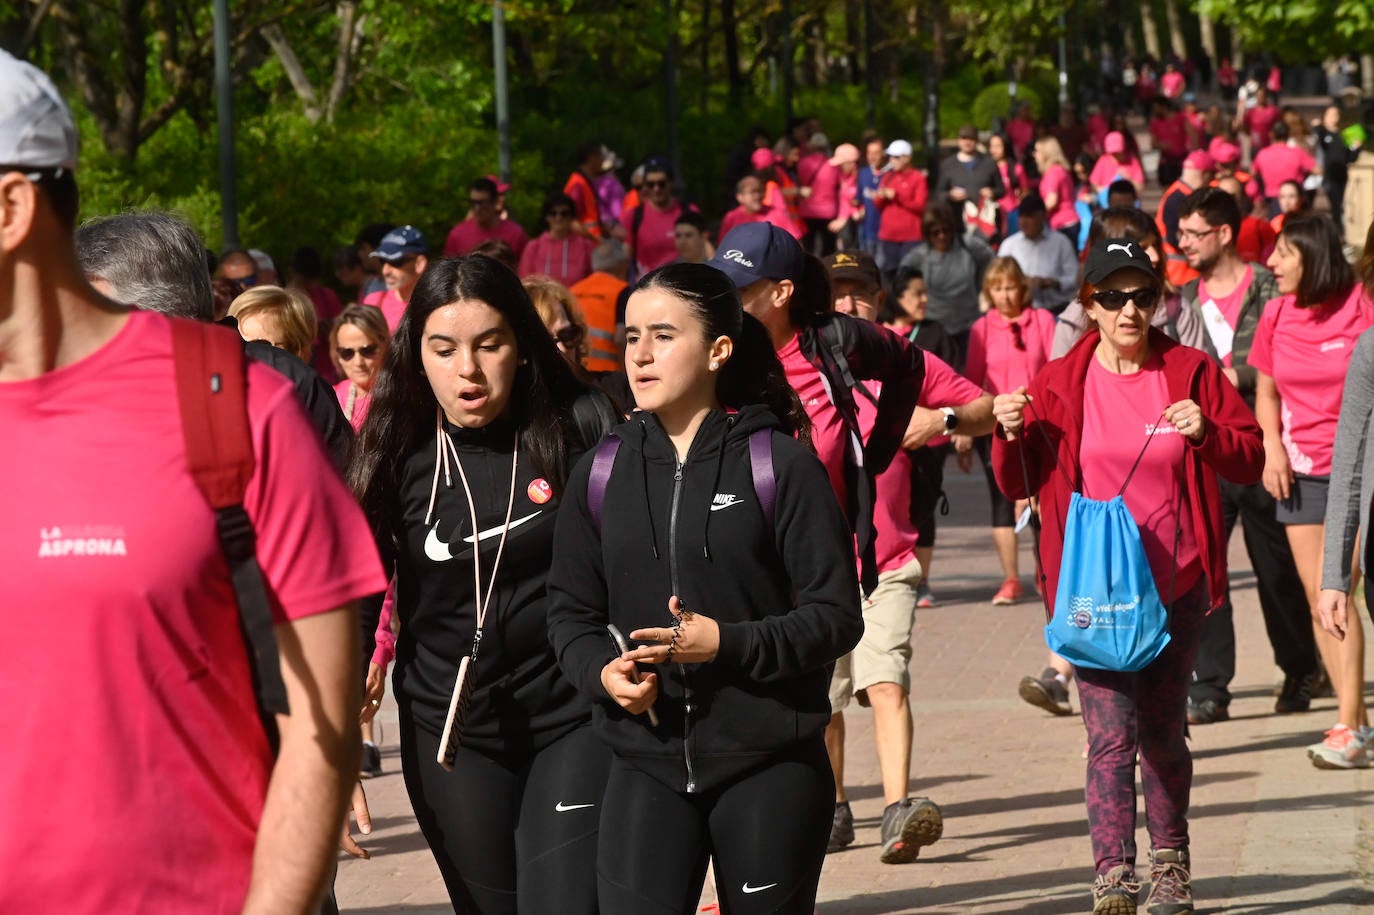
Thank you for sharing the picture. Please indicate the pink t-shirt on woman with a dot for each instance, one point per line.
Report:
(1005, 354)
(1119, 414)
(1057, 180)
(357, 412)
(1306, 351)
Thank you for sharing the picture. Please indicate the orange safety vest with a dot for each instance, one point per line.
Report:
(597, 295)
(1176, 268)
(588, 213)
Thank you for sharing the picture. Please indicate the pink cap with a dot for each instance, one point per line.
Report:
(1199, 161)
(1114, 143)
(501, 186)
(1224, 152)
(845, 154)
(763, 158)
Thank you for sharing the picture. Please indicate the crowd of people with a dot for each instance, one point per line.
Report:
(600, 690)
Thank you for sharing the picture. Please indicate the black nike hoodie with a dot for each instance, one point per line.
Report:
(786, 598)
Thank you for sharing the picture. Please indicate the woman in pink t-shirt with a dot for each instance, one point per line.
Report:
(1007, 348)
(358, 342)
(1083, 427)
(1056, 187)
(1301, 350)
(1013, 179)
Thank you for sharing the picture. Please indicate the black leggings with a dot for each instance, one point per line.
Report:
(511, 838)
(1003, 509)
(766, 832)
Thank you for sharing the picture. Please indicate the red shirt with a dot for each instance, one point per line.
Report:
(1259, 121)
(816, 172)
(1109, 169)
(1120, 413)
(901, 215)
(1256, 240)
(567, 261)
(1057, 180)
(1170, 135)
(389, 301)
(739, 216)
(469, 233)
(995, 362)
(652, 242)
(1306, 351)
(1280, 162)
(135, 750)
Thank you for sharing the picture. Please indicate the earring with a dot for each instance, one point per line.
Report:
(714, 365)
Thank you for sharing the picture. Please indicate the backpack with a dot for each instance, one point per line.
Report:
(760, 463)
(212, 390)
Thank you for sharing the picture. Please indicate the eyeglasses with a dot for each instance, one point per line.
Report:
(346, 353)
(655, 184)
(245, 282)
(1017, 340)
(1189, 234)
(560, 213)
(1116, 299)
(570, 335)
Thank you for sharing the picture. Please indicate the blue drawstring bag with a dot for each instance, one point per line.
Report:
(1107, 612)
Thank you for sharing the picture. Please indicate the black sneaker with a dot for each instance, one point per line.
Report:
(1296, 694)
(1046, 692)
(372, 761)
(841, 828)
(908, 826)
(1208, 711)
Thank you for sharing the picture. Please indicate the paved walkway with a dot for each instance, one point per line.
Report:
(1271, 834)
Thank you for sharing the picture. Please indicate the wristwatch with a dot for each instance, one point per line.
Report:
(951, 419)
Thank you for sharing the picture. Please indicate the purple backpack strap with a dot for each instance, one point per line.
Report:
(600, 476)
(761, 463)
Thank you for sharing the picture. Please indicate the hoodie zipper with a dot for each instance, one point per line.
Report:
(687, 706)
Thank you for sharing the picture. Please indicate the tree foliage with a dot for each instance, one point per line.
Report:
(1298, 30)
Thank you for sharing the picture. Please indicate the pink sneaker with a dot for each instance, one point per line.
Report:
(1010, 593)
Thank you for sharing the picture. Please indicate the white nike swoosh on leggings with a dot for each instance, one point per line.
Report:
(757, 889)
(564, 808)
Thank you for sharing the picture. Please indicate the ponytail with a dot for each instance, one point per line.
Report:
(754, 375)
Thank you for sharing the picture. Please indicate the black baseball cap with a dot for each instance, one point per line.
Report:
(1113, 254)
(758, 251)
(855, 266)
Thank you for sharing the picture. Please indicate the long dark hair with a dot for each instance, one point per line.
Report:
(1325, 271)
(753, 374)
(403, 404)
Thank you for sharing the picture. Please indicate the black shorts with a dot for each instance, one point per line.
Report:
(1306, 502)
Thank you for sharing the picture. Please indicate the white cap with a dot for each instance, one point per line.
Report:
(899, 148)
(36, 129)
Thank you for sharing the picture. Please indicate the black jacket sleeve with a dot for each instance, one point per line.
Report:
(875, 353)
(578, 605)
(815, 544)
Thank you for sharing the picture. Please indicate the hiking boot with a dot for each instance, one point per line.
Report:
(1171, 890)
(1010, 593)
(1296, 694)
(908, 826)
(1343, 749)
(841, 828)
(1116, 891)
(372, 761)
(1208, 711)
(924, 598)
(1046, 692)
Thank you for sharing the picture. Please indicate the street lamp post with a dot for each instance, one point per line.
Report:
(224, 103)
(498, 45)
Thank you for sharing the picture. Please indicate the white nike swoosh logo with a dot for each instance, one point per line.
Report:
(715, 507)
(757, 889)
(438, 551)
(564, 808)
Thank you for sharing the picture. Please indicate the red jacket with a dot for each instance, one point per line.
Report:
(1232, 445)
(901, 219)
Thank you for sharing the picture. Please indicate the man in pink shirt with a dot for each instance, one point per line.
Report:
(649, 224)
(140, 708)
(1278, 162)
(404, 254)
(483, 223)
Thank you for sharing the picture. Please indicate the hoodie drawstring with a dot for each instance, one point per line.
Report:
(440, 459)
(648, 502)
(715, 484)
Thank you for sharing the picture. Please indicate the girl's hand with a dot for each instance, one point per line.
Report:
(623, 683)
(1009, 409)
(695, 640)
(376, 689)
(1187, 418)
(1278, 474)
(1331, 610)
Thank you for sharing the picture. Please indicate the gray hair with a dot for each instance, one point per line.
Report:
(609, 255)
(153, 260)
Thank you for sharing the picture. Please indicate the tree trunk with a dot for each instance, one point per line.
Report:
(349, 23)
(733, 77)
(1237, 50)
(704, 77)
(853, 38)
(300, 80)
(1178, 44)
(1209, 38)
(1367, 73)
(1151, 30)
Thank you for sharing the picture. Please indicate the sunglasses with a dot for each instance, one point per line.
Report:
(1017, 340)
(1116, 299)
(400, 264)
(560, 213)
(480, 201)
(570, 335)
(245, 282)
(346, 353)
(655, 184)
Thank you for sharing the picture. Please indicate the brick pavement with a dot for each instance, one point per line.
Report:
(1271, 834)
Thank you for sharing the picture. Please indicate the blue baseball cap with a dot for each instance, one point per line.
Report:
(759, 251)
(400, 243)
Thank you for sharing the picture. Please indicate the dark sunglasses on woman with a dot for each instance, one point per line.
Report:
(570, 335)
(346, 353)
(1116, 299)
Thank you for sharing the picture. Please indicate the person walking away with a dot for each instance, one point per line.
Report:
(821, 205)
(1228, 297)
(1130, 412)
(580, 189)
(719, 740)
(1008, 346)
(1056, 188)
(1301, 351)
(138, 573)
